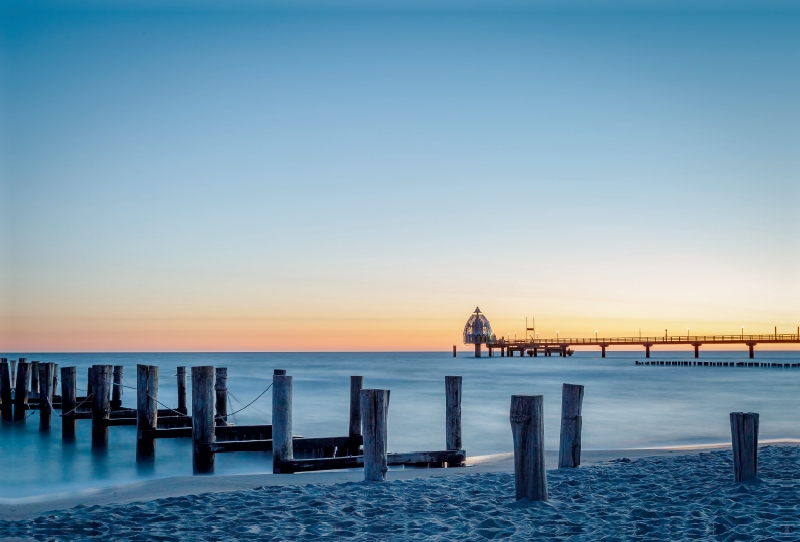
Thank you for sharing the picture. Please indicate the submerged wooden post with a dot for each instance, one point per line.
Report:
(21, 393)
(146, 411)
(116, 391)
(374, 417)
(69, 399)
(527, 428)
(6, 408)
(221, 389)
(452, 386)
(203, 419)
(34, 393)
(182, 391)
(282, 448)
(744, 435)
(101, 404)
(569, 448)
(45, 395)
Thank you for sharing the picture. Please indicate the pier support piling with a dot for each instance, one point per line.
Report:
(604, 350)
(477, 350)
(454, 350)
(13, 366)
(181, 375)
(744, 435)
(21, 393)
(374, 414)
(569, 449)
(696, 350)
(69, 400)
(452, 386)
(750, 346)
(282, 448)
(101, 404)
(6, 408)
(34, 393)
(45, 395)
(116, 390)
(356, 385)
(203, 419)
(527, 428)
(221, 390)
(146, 411)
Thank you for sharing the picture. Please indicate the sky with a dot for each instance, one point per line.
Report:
(360, 176)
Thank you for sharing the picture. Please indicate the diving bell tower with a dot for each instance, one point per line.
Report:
(478, 331)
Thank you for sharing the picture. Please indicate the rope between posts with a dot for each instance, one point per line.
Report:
(77, 406)
(250, 403)
(156, 400)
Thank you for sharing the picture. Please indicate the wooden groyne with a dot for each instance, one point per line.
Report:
(718, 364)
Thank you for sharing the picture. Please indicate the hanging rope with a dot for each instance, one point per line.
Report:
(77, 406)
(251, 402)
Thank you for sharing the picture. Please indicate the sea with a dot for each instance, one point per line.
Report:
(625, 406)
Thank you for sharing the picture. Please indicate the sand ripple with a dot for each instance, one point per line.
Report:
(664, 498)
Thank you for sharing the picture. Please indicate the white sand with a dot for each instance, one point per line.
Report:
(670, 494)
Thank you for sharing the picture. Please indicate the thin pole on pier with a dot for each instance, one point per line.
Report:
(744, 436)
(6, 408)
(34, 380)
(69, 400)
(116, 390)
(569, 449)
(46, 371)
(452, 386)
(101, 404)
(356, 385)
(203, 419)
(374, 414)
(282, 448)
(527, 428)
(182, 391)
(221, 389)
(146, 411)
(21, 395)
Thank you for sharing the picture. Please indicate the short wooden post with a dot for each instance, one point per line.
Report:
(221, 389)
(744, 434)
(21, 394)
(69, 400)
(146, 411)
(34, 393)
(6, 408)
(452, 386)
(45, 395)
(203, 419)
(282, 448)
(569, 449)
(356, 385)
(374, 417)
(116, 391)
(101, 404)
(527, 428)
(182, 391)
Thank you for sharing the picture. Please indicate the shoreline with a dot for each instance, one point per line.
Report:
(182, 486)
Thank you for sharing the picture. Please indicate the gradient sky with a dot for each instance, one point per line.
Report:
(296, 177)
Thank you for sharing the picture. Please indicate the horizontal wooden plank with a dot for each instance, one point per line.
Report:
(241, 446)
(243, 432)
(116, 422)
(176, 432)
(302, 444)
(423, 458)
(352, 462)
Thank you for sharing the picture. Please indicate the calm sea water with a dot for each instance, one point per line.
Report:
(625, 406)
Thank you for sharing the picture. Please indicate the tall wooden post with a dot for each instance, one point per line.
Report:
(374, 416)
(34, 393)
(116, 391)
(282, 448)
(744, 435)
(356, 385)
(182, 391)
(69, 399)
(45, 395)
(452, 386)
(146, 411)
(221, 390)
(13, 364)
(21, 394)
(101, 404)
(527, 428)
(6, 408)
(569, 449)
(203, 419)
(89, 381)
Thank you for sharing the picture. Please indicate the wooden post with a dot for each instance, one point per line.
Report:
(374, 416)
(101, 404)
(13, 363)
(89, 380)
(146, 411)
(356, 385)
(452, 386)
(69, 399)
(203, 419)
(182, 391)
(282, 449)
(221, 389)
(744, 434)
(116, 391)
(21, 395)
(45, 396)
(527, 428)
(55, 378)
(6, 408)
(454, 350)
(279, 372)
(34, 380)
(569, 449)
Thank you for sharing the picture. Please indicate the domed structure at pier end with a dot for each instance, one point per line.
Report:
(478, 331)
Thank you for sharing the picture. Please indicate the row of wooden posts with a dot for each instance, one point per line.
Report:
(717, 364)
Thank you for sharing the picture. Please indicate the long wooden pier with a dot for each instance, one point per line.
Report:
(564, 346)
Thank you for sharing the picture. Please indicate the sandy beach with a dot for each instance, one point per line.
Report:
(642, 494)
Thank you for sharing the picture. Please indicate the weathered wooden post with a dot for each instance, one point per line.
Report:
(101, 404)
(203, 419)
(282, 449)
(374, 418)
(69, 400)
(89, 379)
(34, 393)
(45, 395)
(569, 449)
(6, 408)
(221, 390)
(279, 372)
(13, 364)
(21, 394)
(356, 385)
(744, 434)
(527, 428)
(116, 391)
(182, 391)
(55, 379)
(146, 411)
(452, 386)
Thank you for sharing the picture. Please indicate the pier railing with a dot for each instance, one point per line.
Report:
(641, 340)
